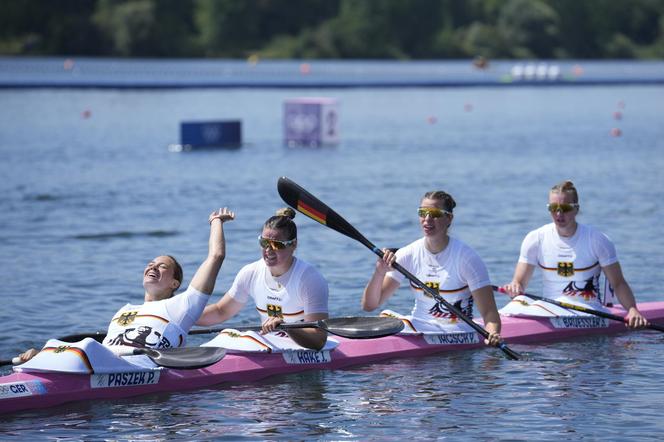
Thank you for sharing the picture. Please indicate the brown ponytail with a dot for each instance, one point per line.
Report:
(283, 220)
(566, 187)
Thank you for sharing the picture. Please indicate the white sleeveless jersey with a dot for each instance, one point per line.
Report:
(571, 266)
(157, 324)
(300, 291)
(455, 273)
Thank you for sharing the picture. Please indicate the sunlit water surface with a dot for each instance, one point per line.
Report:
(86, 202)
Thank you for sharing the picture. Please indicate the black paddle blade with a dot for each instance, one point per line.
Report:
(362, 327)
(304, 202)
(185, 357)
(97, 336)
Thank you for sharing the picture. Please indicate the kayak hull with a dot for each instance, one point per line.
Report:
(22, 391)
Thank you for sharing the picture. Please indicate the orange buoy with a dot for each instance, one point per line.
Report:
(616, 132)
(305, 68)
(577, 70)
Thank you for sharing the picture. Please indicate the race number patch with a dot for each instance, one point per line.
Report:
(579, 322)
(452, 338)
(307, 357)
(111, 380)
(19, 389)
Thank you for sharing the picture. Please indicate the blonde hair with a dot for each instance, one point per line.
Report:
(283, 220)
(286, 211)
(566, 187)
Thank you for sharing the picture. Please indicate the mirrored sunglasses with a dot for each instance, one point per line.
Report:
(433, 212)
(561, 207)
(274, 244)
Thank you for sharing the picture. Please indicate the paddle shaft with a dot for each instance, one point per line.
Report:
(306, 203)
(13, 361)
(581, 309)
(348, 327)
(283, 326)
(201, 331)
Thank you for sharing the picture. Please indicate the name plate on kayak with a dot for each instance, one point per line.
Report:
(452, 338)
(307, 357)
(111, 380)
(18, 389)
(579, 322)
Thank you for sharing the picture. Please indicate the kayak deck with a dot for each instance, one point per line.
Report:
(21, 391)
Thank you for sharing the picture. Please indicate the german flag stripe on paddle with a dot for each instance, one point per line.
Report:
(311, 212)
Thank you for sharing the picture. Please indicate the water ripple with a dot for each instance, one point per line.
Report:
(126, 235)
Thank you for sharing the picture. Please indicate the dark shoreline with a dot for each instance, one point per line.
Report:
(148, 74)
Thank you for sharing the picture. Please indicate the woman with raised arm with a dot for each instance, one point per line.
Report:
(571, 256)
(283, 287)
(444, 263)
(164, 318)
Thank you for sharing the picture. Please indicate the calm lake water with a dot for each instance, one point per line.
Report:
(91, 192)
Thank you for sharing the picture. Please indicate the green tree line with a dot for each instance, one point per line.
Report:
(337, 29)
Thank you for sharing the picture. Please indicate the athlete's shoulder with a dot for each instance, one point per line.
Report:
(418, 244)
(308, 269)
(538, 234)
(463, 249)
(594, 233)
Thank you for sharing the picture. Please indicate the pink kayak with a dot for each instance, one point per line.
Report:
(22, 391)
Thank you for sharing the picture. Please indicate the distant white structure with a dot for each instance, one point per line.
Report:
(517, 71)
(311, 121)
(541, 72)
(554, 72)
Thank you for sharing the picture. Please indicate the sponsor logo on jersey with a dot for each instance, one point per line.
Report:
(579, 322)
(19, 389)
(111, 380)
(457, 338)
(307, 357)
(566, 268)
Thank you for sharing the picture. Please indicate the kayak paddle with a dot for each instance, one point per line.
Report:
(97, 336)
(580, 308)
(13, 361)
(304, 202)
(182, 357)
(353, 327)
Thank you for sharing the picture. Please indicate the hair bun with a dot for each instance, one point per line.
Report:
(287, 212)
